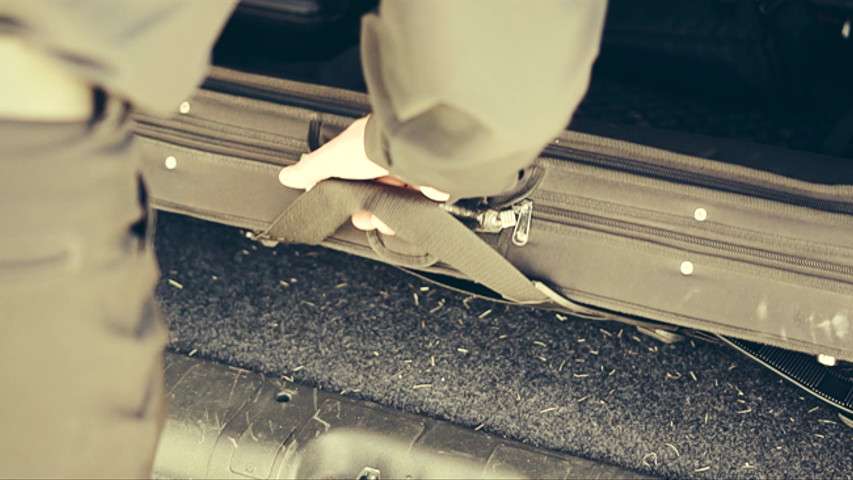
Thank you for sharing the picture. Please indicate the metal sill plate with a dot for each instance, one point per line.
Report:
(226, 422)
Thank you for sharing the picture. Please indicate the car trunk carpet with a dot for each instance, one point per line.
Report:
(598, 390)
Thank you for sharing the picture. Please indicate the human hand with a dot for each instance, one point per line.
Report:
(344, 157)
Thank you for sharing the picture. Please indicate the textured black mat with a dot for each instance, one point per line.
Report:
(623, 103)
(596, 390)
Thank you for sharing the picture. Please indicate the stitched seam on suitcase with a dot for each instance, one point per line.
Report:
(233, 220)
(565, 172)
(752, 238)
(262, 82)
(702, 166)
(201, 156)
(197, 147)
(681, 251)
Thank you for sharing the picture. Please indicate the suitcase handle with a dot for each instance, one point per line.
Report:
(319, 212)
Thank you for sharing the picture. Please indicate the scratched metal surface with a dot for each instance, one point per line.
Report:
(227, 422)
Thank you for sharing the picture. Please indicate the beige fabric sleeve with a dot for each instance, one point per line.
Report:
(151, 53)
(465, 94)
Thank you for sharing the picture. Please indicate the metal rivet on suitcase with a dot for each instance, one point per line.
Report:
(184, 108)
(171, 163)
(686, 267)
(700, 214)
(827, 360)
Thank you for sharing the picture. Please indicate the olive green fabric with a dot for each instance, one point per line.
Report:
(465, 94)
(152, 53)
(80, 337)
(415, 219)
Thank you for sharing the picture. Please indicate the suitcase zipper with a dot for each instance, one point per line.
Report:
(662, 172)
(563, 216)
(524, 211)
(342, 105)
(518, 217)
(349, 104)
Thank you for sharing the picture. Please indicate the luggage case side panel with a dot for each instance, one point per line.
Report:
(753, 267)
(724, 216)
(715, 294)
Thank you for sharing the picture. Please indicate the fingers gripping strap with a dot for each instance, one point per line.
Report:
(318, 213)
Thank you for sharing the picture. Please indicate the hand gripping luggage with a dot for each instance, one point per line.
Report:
(754, 245)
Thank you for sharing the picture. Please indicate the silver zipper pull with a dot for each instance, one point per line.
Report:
(524, 213)
(494, 221)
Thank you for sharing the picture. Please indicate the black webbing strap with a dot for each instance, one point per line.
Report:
(318, 213)
(801, 369)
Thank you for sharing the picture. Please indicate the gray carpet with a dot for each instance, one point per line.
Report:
(598, 390)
